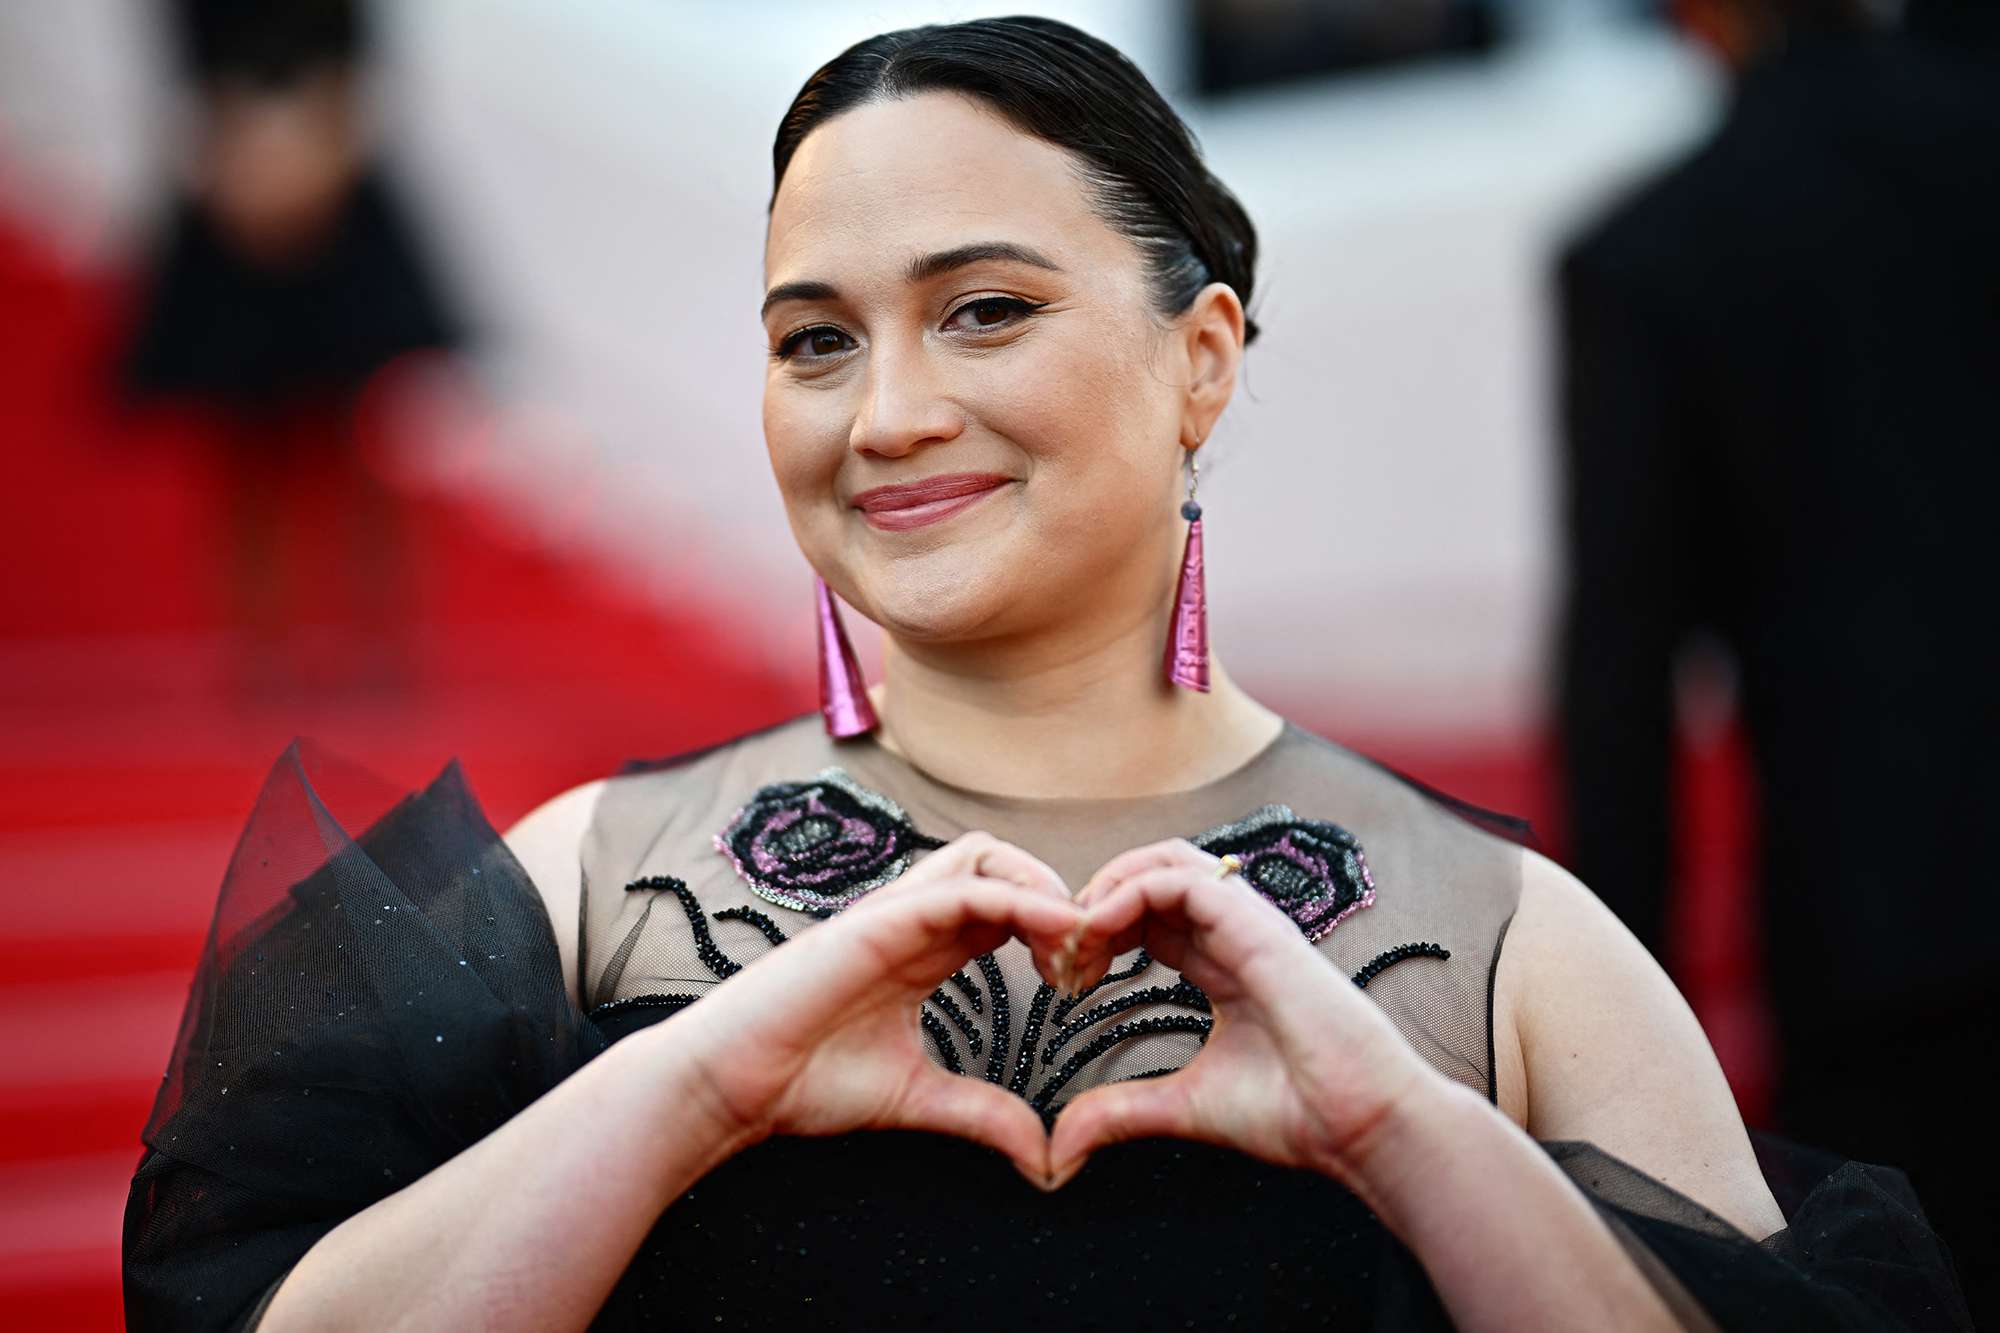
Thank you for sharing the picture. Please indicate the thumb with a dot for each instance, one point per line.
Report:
(1114, 1112)
(972, 1108)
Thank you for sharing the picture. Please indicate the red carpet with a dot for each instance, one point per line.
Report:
(128, 760)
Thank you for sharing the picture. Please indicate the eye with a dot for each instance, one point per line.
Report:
(819, 342)
(993, 312)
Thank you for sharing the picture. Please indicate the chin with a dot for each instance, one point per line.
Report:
(952, 589)
(931, 606)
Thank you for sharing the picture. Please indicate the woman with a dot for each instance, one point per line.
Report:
(1232, 1000)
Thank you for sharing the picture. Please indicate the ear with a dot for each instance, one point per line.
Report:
(1211, 334)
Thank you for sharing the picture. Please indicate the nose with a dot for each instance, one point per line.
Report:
(902, 407)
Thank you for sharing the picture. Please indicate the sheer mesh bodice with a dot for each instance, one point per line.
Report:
(371, 1004)
(667, 912)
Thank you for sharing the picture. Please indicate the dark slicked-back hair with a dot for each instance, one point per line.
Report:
(1140, 162)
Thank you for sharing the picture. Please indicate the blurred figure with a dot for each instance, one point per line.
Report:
(1781, 367)
(1249, 43)
(287, 278)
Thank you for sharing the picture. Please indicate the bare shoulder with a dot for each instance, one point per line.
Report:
(1599, 1045)
(548, 842)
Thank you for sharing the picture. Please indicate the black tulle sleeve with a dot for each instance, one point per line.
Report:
(1856, 1255)
(365, 1008)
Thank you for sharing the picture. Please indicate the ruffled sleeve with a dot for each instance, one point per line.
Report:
(365, 1008)
(1857, 1254)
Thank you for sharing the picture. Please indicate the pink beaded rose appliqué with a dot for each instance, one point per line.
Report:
(819, 845)
(1313, 870)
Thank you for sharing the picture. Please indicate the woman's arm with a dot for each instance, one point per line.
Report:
(1507, 1239)
(1303, 1069)
(1608, 1051)
(531, 1227)
(1611, 1054)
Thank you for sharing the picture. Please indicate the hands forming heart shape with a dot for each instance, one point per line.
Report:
(821, 1036)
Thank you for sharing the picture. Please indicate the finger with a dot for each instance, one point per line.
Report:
(1165, 942)
(1115, 1112)
(956, 914)
(996, 858)
(1199, 895)
(972, 1108)
(1083, 960)
(1170, 851)
(980, 853)
(990, 857)
(1176, 914)
(1121, 916)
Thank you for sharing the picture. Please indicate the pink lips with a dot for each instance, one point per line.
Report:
(918, 504)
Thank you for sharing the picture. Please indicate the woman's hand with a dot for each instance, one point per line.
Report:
(820, 1035)
(1300, 1069)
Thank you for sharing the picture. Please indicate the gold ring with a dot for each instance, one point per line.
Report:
(1227, 866)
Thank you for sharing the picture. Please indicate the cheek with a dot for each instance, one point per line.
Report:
(1088, 411)
(804, 440)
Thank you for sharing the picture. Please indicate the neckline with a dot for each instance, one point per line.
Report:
(1286, 733)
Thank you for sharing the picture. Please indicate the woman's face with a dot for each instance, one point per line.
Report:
(945, 307)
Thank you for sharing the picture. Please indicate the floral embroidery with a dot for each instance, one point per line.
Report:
(819, 846)
(1313, 870)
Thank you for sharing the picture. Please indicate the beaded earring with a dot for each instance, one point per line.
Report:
(1187, 632)
(843, 695)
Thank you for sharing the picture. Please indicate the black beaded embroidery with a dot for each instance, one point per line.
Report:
(672, 1003)
(940, 1039)
(770, 929)
(1133, 969)
(1109, 1038)
(818, 846)
(1024, 1063)
(970, 989)
(1373, 967)
(705, 947)
(1181, 992)
(1313, 870)
(1044, 1007)
(1003, 1016)
(960, 1019)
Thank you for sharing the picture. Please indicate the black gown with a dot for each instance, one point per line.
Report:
(367, 1007)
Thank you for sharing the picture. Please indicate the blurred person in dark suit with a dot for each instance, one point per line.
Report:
(1781, 396)
(285, 279)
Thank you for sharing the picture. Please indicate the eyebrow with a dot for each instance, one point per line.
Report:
(921, 269)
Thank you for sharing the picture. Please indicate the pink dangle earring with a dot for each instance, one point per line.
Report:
(843, 695)
(1187, 633)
